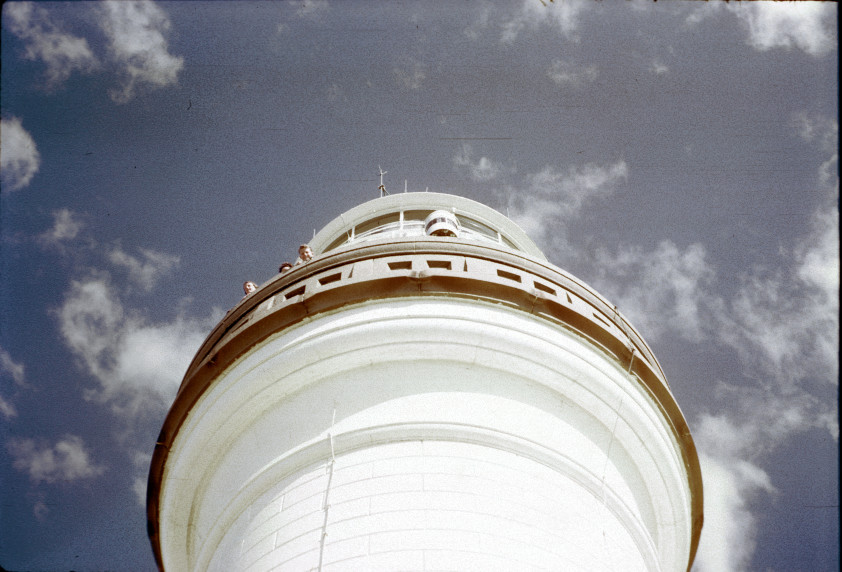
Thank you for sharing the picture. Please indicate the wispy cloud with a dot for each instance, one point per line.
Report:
(147, 271)
(482, 169)
(550, 198)
(569, 74)
(19, 157)
(7, 408)
(66, 227)
(659, 291)
(135, 30)
(808, 26)
(563, 16)
(480, 24)
(658, 68)
(823, 132)
(9, 368)
(785, 323)
(60, 51)
(66, 461)
(141, 461)
(411, 76)
(335, 93)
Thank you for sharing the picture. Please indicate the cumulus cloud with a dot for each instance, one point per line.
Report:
(19, 157)
(570, 74)
(60, 51)
(66, 461)
(411, 78)
(808, 26)
(135, 30)
(483, 169)
(551, 198)
(144, 272)
(563, 16)
(66, 227)
(137, 365)
(659, 291)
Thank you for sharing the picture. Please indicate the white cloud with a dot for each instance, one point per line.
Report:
(68, 460)
(335, 93)
(551, 198)
(147, 272)
(564, 16)
(413, 77)
(19, 157)
(822, 130)
(786, 324)
(566, 73)
(136, 30)
(62, 53)
(474, 30)
(729, 535)
(758, 420)
(658, 68)
(40, 509)
(7, 409)
(659, 291)
(818, 260)
(824, 133)
(66, 227)
(809, 26)
(9, 367)
(482, 170)
(141, 461)
(138, 366)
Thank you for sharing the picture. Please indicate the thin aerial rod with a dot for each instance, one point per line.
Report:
(382, 187)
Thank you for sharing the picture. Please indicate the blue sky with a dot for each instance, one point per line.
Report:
(682, 158)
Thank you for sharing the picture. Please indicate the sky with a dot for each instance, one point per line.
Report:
(681, 158)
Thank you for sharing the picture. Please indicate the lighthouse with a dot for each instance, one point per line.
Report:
(427, 392)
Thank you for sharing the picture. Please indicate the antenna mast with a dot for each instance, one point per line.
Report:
(382, 187)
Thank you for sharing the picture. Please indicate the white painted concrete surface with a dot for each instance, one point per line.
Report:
(425, 434)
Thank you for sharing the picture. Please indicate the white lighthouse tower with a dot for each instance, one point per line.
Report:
(426, 393)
